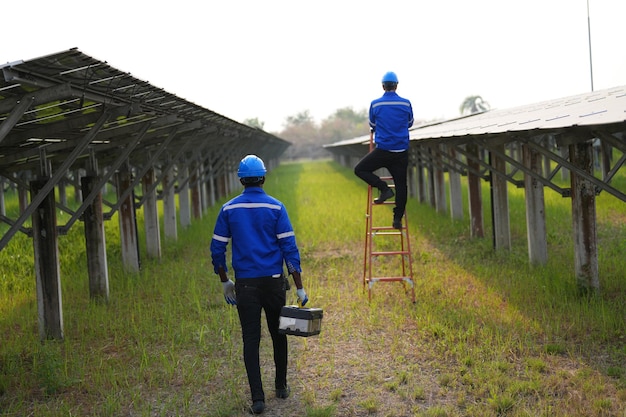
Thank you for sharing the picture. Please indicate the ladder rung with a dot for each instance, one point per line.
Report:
(385, 234)
(387, 253)
(391, 279)
(385, 228)
(403, 255)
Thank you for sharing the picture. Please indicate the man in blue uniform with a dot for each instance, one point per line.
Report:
(262, 239)
(390, 118)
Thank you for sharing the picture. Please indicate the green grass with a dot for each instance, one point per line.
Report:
(489, 335)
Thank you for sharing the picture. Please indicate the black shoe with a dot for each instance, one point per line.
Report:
(397, 223)
(257, 407)
(283, 392)
(384, 195)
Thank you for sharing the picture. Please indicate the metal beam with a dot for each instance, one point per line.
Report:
(472, 168)
(54, 179)
(88, 200)
(47, 95)
(164, 170)
(573, 168)
(15, 115)
(564, 192)
(126, 193)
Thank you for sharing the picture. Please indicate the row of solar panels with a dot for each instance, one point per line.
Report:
(51, 103)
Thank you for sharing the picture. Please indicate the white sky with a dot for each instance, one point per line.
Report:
(272, 59)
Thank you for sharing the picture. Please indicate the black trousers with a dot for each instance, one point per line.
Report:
(254, 294)
(396, 163)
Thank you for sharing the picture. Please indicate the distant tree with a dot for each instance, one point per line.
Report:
(254, 123)
(473, 104)
(308, 138)
(302, 132)
(345, 123)
(302, 118)
(348, 113)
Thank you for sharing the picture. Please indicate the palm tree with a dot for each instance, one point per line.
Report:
(473, 104)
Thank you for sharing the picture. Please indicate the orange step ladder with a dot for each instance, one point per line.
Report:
(380, 263)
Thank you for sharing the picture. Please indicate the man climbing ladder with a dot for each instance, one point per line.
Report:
(387, 256)
(390, 118)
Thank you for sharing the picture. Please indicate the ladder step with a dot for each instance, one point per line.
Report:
(387, 253)
(386, 228)
(391, 279)
(403, 256)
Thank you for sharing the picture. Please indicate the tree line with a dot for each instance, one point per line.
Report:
(308, 137)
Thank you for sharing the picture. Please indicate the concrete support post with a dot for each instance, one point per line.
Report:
(233, 182)
(62, 187)
(22, 196)
(151, 216)
(535, 209)
(606, 152)
(475, 193)
(548, 144)
(128, 223)
(222, 188)
(47, 271)
(196, 202)
(440, 183)
(95, 242)
(169, 206)
(456, 194)
(411, 181)
(184, 207)
(204, 196)
(422, 195)
(211, 186)
(584, 219)
(564, 150)
(500, 203)
(78, 195)
(431, 180)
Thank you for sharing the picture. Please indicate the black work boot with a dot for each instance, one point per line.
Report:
(257, 407)
(385, 195)
(283, 392)
(397, 222)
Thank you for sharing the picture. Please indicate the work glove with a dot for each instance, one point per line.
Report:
(229, 292)
(302, 297)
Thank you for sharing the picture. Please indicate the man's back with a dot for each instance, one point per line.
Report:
(390, 117)
(261, 233)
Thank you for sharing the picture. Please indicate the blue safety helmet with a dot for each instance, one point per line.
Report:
(251, 167)
(390, 77)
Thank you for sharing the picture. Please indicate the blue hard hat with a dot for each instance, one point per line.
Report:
(390, 77)
(251, 166)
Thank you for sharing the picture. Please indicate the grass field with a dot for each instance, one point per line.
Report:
(489, 335)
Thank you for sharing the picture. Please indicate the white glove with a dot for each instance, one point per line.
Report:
(229, 292)
(302, 297)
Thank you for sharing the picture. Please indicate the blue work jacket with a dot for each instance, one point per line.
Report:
(261, 233)
(390, 118)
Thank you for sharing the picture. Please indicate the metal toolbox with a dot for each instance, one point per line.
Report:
(300, 321)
